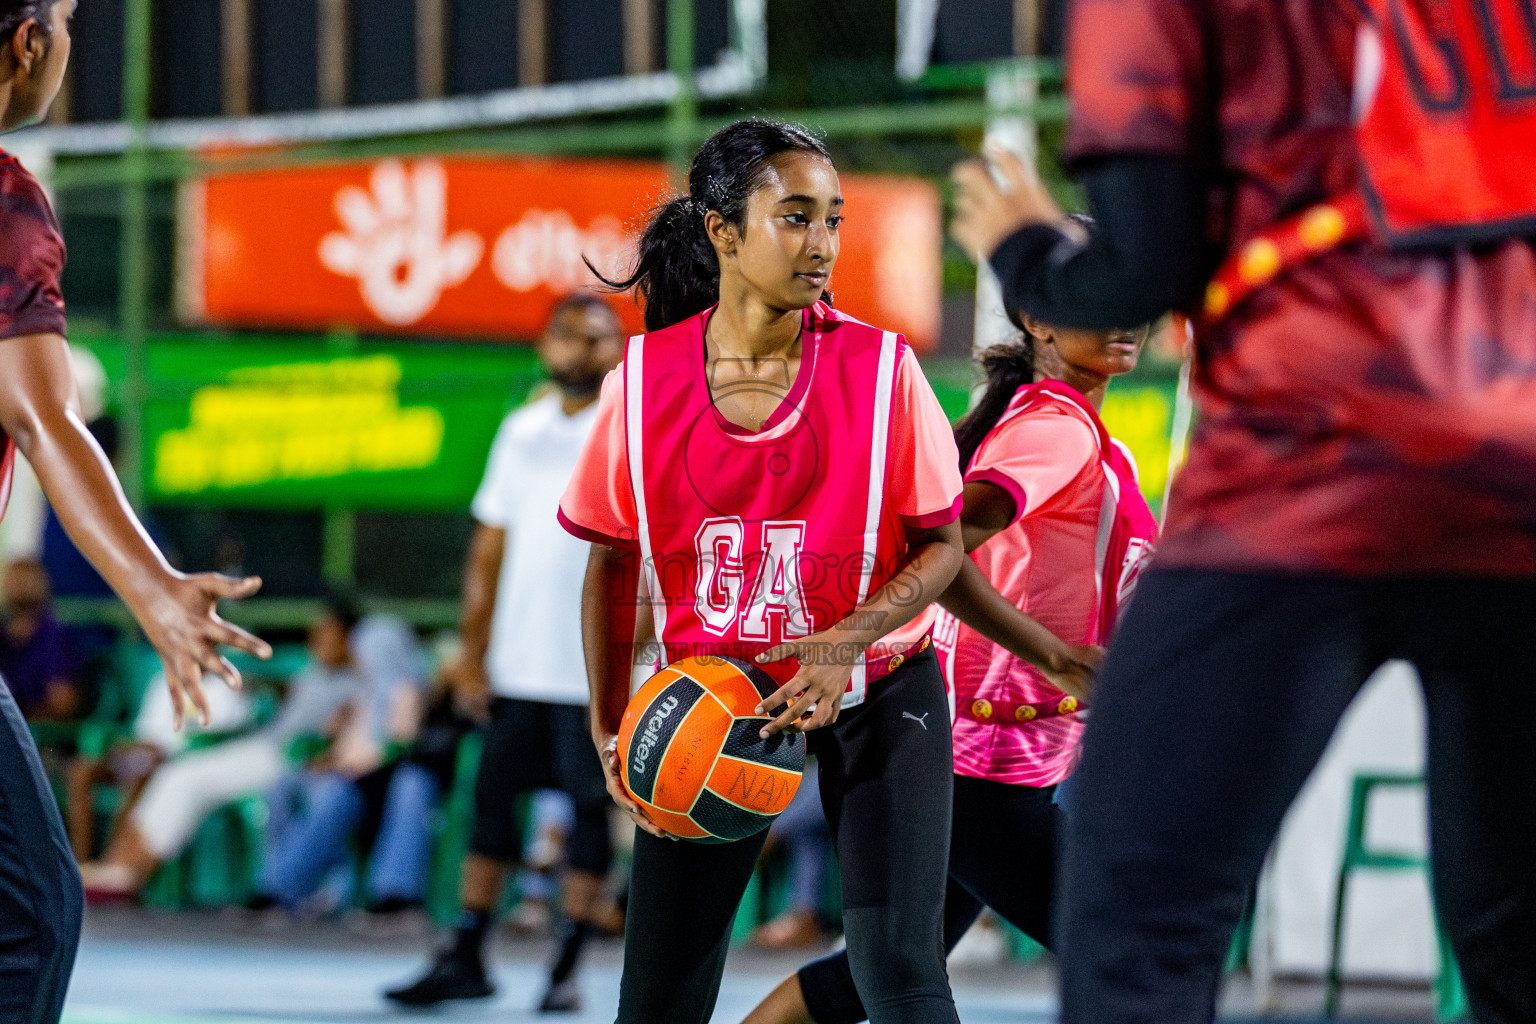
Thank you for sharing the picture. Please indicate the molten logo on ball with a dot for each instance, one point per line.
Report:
(692, 755)
(652, 734)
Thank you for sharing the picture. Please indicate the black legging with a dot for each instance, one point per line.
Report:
(1220, 694)
(1002, 854)
(885, 770)
(40, 896)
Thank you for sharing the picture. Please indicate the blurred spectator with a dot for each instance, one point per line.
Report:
(394, 830)
(128, 763)
(551, 815)
(521, 629)
(314, 810)
(37, 655)
(322, 698)
(801, 833)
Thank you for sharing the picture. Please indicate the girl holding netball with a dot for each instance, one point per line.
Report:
(1056, 529)
(790, 487)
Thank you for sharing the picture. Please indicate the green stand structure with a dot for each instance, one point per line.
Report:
(1450, 998)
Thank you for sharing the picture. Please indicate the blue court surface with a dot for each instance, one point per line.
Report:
(140, 967)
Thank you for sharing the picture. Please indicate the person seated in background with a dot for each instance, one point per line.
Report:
(184, 791)
(128, 763)
(394, 832)
(551, 814)
(314, 809)
(38, 659)
(802, 833)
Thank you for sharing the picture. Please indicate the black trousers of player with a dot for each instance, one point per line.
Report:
(885, 769)
(1002, 854)
(41, 901)
(1219, 695)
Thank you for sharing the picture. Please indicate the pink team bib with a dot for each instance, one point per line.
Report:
(1012, 725)
(751, 539)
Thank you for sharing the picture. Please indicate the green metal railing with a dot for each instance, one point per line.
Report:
(133, 244)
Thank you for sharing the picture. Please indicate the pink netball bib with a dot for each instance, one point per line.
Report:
(1071, 563)
(751, 539)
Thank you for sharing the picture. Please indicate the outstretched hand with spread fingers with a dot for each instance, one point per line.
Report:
(184, 626)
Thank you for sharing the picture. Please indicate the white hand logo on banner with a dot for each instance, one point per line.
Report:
(396, 241)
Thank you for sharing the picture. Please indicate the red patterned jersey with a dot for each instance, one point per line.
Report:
(1367, 412)
(31, 256)
(31, 260)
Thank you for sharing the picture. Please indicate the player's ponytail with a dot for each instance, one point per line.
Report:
(1008, 368)
(677, 274)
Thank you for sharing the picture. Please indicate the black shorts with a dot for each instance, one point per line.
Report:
(533, 745)
(1168, 826)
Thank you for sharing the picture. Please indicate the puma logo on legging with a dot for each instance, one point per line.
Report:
(919, 721)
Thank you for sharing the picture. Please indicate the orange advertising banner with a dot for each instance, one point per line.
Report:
(485, 247)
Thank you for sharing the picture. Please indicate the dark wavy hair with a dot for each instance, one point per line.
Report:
(1008, 368)
(677, 274)
(14, 12)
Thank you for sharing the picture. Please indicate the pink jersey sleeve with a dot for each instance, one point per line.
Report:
(599, 504)
(1034, 458)
(925, 488)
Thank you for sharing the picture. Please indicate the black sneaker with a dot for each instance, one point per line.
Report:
(564, 997)
(449, 978)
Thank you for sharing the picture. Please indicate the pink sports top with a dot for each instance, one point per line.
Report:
(752, 538)
(1069, 559)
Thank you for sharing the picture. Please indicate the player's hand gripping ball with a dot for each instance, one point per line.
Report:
(690, 753)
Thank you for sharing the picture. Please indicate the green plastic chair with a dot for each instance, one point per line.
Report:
(1450, 997)
(222, 864)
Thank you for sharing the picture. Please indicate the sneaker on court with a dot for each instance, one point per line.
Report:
(449, 978)
(563, 997)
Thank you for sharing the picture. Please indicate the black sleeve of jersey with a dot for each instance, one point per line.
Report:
(1148, 253)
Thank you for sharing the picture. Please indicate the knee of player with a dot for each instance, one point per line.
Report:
(898, 966)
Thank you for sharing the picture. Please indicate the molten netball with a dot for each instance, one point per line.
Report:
(692, 756)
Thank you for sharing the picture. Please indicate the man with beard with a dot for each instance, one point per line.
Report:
(522, 651)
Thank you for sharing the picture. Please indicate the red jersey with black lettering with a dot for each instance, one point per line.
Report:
(749, 539)
(31, 262)
(1369, 411)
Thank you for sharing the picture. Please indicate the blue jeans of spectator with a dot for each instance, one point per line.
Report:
(310, 817)
(314, 813)
(403, 851)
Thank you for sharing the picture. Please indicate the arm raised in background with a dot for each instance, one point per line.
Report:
(40, 411)
(1149, 254)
